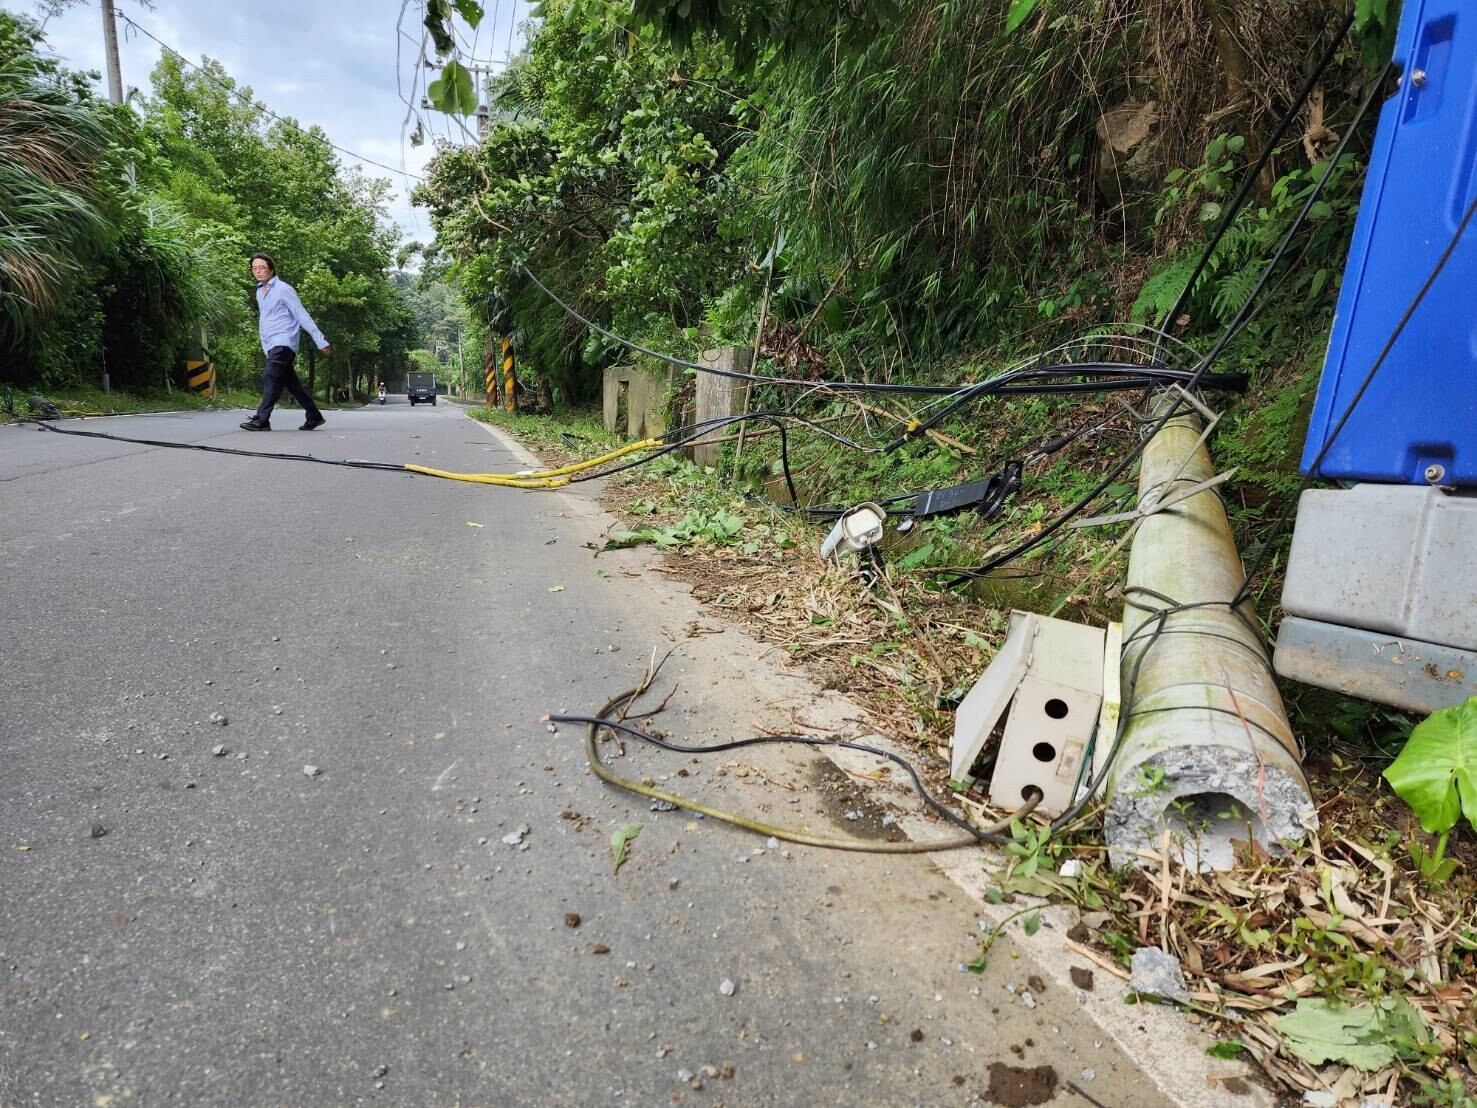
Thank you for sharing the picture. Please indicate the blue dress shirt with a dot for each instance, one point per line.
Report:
(282, 316)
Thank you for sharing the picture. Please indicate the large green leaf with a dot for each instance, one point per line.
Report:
(1020, 11)
(1366, 1036)
(1436, 773)
(470, 11)
(453, 92)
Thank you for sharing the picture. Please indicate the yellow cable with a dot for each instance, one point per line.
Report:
(803, 838)
(507, 480)
(541, 479)
(576, 467)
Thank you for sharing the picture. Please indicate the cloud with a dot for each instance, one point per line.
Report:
(326, 62)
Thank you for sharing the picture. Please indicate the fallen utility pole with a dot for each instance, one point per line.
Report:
(1206, 752)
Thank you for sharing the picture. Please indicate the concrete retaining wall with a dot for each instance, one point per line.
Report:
(645, 400)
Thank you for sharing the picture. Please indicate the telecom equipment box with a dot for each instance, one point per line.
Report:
(1379, 593)
(1419, 416)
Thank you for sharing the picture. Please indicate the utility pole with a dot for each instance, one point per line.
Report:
(115, 94)
(483, 74)
(110, 51)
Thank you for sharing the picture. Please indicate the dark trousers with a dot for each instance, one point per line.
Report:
(280, 375)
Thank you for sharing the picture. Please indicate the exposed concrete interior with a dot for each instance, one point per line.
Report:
(1207, 797)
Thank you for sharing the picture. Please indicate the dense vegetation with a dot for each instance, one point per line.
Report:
(916, 191)
(126, 231)
(919, 181)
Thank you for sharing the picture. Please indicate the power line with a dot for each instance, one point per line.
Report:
(262, 107)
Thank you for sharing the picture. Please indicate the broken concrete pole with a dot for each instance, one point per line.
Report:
(1205, 748)
(719, 397)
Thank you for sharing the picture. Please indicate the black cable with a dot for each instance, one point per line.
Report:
(801, 740)
(1228, 333)
(1312, 475)
(1120, 376)
(1132, 714)
(1251, 176)
(350, 463)
(1045, 450)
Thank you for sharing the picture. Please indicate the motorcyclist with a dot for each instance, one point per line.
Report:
(382, 394)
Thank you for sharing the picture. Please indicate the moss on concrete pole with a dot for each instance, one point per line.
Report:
(1206, 751)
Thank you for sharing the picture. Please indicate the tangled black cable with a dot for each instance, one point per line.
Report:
(1115, 376)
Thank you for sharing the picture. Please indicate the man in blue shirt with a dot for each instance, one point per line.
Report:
(281, 316)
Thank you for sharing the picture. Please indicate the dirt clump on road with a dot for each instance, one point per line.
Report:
(1016, 1086)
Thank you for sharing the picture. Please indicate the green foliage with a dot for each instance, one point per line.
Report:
(758, 31)
(1366, 1036)
(718, 527)
(1230, 274)
(252, 183)
(905, 179)
(123, 241)
(1436, 773)
(52, 219)
(610, 192)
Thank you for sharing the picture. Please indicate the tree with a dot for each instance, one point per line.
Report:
(55, 137)
(268, 184)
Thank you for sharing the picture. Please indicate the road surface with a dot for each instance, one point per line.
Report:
(188, 917)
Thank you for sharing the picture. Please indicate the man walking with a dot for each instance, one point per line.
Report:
(281, 316)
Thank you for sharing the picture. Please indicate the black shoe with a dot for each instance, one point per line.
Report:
(312, 421)
(254, 424)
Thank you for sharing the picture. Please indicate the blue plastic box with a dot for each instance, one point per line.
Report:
(1421, 410)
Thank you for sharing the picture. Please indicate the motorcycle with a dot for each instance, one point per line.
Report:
(382, 396)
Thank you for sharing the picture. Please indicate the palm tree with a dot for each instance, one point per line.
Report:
(53, 141)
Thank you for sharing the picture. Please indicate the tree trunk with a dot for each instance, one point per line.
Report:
(312, 372)
(1240, 79)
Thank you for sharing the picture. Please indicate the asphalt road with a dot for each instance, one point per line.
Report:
(179, 926)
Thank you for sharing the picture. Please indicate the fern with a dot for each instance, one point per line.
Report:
(1162, 290)
(1232, 290)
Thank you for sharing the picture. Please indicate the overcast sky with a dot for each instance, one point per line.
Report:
(329, 62)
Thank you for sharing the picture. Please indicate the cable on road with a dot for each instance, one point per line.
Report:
(351, 463)
(994, 834)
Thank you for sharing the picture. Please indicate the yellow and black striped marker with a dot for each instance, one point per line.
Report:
(510, 378)
(491, 383)
(200, 376)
